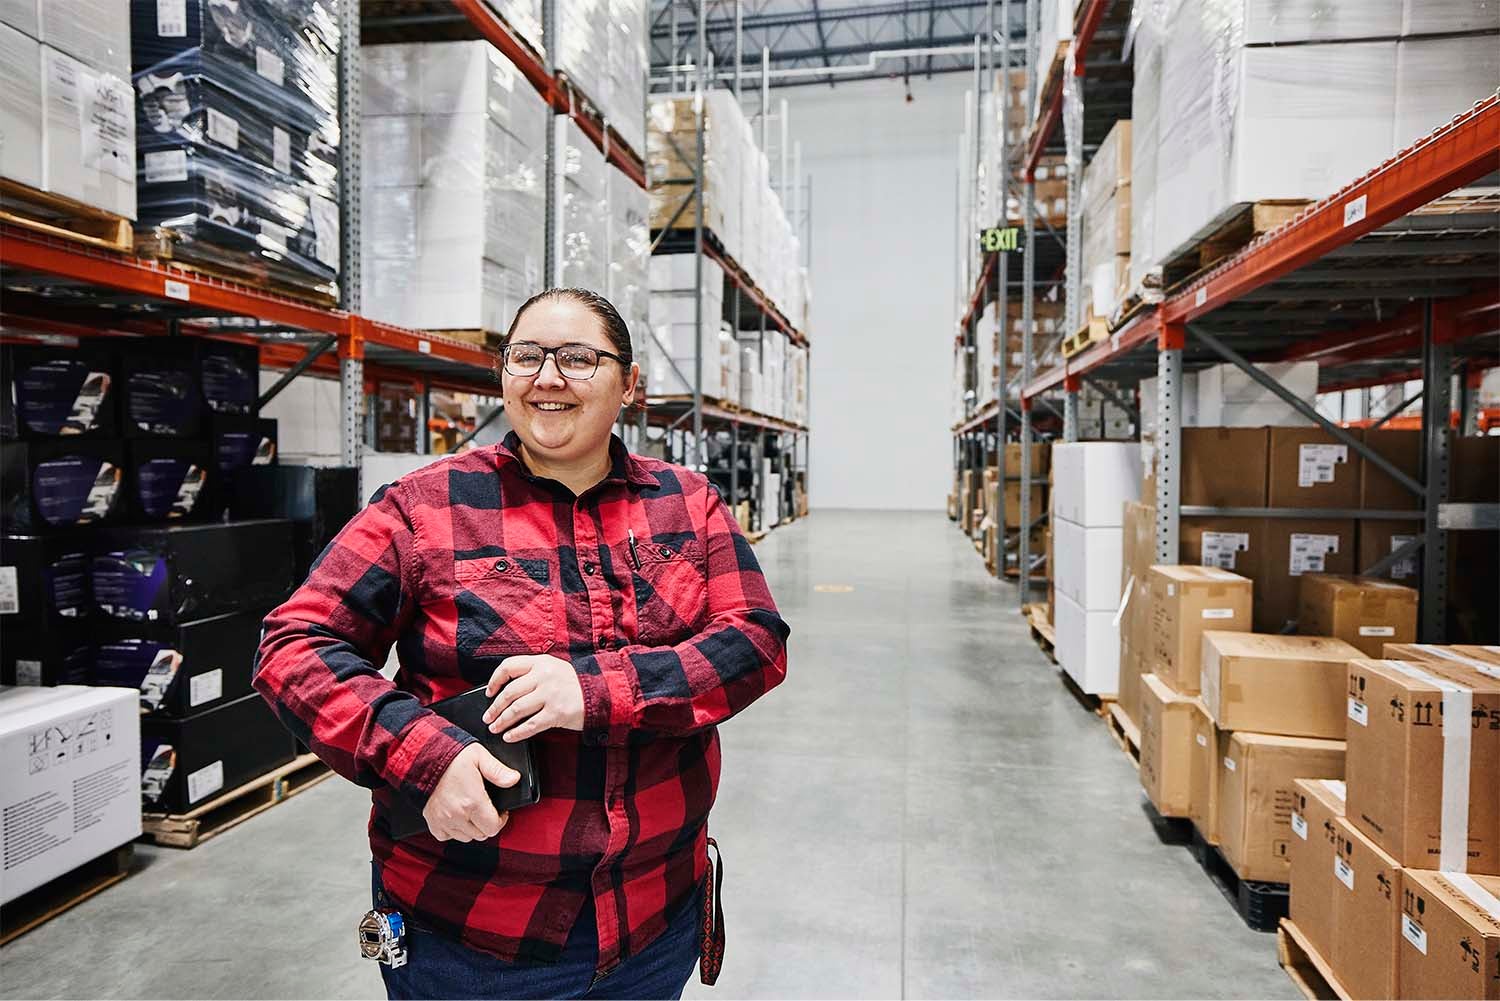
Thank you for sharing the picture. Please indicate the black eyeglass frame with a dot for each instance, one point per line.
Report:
(552, 353)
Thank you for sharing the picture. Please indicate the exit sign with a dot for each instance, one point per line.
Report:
(1000, 240)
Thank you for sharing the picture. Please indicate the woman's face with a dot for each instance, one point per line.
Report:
(558, 419)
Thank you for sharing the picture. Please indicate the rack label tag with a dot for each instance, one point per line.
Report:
(176, 290)
(1355, 211)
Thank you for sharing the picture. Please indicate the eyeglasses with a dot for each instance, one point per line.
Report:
(524, 359)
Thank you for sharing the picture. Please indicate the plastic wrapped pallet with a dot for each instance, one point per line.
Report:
(453, 191)
(624, 99)
(629, 253)
(585, 249)
(20, 107)
(1148, 29)
(583, 45)
(524, 18)
(1436, 78)
(238, 136)
(1440, 17)
(1106, 221)
(1056, 28)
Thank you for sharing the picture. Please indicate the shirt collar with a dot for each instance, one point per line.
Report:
(623, 467)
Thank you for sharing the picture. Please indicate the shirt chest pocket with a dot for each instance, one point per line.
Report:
(671, 593)
(505, 606)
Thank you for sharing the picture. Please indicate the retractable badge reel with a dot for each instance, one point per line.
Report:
(382, 937)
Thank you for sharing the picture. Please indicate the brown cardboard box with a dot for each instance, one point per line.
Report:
(1236, 544)
(1362, 611)
(1377, 490)
(1367, 911)
(1378, 539)
(1474, 469)
(1255, 800)
(1397, 754)
(1450, 936)
(1135, 644)
(1130, 680)
(1139, 541)
(1317, 804)
(1224, 467)
(1293, 547)
(1166, 724)
(1209, 745)
(1184, 601)
(1309, 468)
(1041, 460)
(1013, 504)
(1291, 685)
(1482, 658)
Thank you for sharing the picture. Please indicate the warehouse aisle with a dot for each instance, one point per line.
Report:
(920, 810)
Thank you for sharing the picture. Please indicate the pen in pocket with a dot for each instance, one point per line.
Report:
(635, 557)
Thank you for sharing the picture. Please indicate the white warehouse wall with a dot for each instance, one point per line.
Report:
(884, 272)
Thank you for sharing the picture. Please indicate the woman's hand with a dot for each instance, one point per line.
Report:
(541, 693)
(460, 808)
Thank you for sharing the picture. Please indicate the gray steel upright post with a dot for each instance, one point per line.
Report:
(1028, 317)
(1437, 385)
(697, 456)
(351, 362)
(1000, 91)
(1168, 452)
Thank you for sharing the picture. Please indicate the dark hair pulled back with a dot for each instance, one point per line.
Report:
(603, 310)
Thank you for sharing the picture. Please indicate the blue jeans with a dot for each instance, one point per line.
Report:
(438, 967)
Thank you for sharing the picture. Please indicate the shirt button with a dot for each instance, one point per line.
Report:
(502, 566)
(603, 643)
(665, 552)
(589, 569)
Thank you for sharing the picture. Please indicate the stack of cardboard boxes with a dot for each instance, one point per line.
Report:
(1396, 873)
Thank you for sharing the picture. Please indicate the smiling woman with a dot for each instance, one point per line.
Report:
(615, 615)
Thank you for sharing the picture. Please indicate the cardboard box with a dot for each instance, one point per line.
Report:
(1013, 504)
(1088, 646)
(1041, 455)
(1378, 491)
(1317, 805)
(1209, 745)
(1166, 723)
(1484, 659)
(1362, 611)
(188, 761)
(1224, 467)
(1130, 680)
(1309, 468)
(1450, 936)
(1367, 907)
(1399, 760)
(1378, 539)
(1186, 600)
(1092, 481)
(182, 669)
(64, 483)
(1293, 547)
(69, 775)
(1255, 801)
(1289, 685)
(1138, 541)
(88, 141)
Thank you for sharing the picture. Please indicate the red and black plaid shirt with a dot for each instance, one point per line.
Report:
(473, 559)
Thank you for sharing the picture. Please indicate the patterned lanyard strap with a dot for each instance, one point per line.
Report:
(711, 951)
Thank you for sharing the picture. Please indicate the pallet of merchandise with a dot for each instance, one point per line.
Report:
(160, 245)
(57, 216)
(65, 892)
(1095, 329)
(1243, 224)
(1125, 731)
(224, 812)
(1311, 973)
(478, 338)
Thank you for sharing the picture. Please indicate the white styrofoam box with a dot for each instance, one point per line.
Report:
(1088, 563)
(1227, 397)
(391, 80)
(1088, 646)
(1436, 17)
(1287, 21)
(70, 779)
(1145, 136)
(682, 309)
(95, 32)
(1436, 78)
(88, 143)
(392, 151)
(20, 107)
(23, 16)
(1092, 480)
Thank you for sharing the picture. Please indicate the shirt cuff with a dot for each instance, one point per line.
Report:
(609, 699)
(426, 750)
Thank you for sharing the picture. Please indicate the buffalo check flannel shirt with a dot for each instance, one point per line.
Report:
(474, 559)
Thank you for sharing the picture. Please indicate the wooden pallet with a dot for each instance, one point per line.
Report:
(1041, 630)
(64, 893)
(236, 806)
(1242, 225)
(1311, 973)
(161, 245)
(55, 215)
(479, 338)
(1095, 330)
(1125, 732)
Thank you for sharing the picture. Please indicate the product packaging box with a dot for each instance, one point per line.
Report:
(1092, 481)
(181, 669)
(1166, 724)
(1088, 646)
(1450, 936)
(1362, 611)
(185, 762)
(1013, 504)
(1293, 547)
(1367, 906)
(177, 573)
(47, 392)
(1317, 806)
(88, 138)
(64, 483)
(172, 385)
(1224, 467)
(1377, 539)
(1484, 659)
(1041, 456)
(20, 106)
(1310, 468)
(1186, 600)
(1289, 685)
(1436, 78)
(1236, 544)
(45, 617)
(68, 780)
(1378, 490)
(1227, 396)
(166, 479)
(319, 501)
(1209, 745)
(1255, 802)
(235, 443)
(1088, 564)
(1425, 791)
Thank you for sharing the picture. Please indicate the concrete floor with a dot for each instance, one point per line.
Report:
(921, 810)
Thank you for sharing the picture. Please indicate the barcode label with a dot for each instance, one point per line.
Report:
(206, 687)
(1413, 933)
(206, 780)
(1359, 712)
(166, 165)
(10, 591)
(1299, 826)
(1343, 871)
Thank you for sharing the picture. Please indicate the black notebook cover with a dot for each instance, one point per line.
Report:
(466, 711)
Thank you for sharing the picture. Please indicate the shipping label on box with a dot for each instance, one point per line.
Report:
(1220, 549)
(1449, 944)
(1317, 804)
(1367, 912)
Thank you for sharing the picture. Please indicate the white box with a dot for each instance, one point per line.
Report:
(1284, 21)
(1088, 646)
(70, 779)
(23, 16)
(1092, 480)
(20, 107)
(1227, 397)
(88, 145)
(95, 32)
(1437, 78)
(1088, 563)
(1436, 17)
